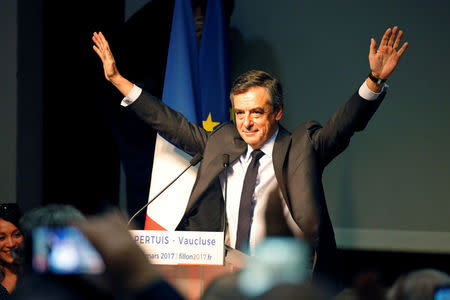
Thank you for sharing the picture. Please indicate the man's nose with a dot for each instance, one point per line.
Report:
(248, 121)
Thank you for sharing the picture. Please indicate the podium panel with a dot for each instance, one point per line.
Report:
(181, 247)
(189, 260)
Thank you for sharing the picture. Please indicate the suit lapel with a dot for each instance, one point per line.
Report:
(212, 164)
(280, 150)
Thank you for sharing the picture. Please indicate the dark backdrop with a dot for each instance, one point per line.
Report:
(81, 165)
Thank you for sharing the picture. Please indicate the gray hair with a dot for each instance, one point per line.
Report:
(51, 215)
(263, 79)
(417, 285)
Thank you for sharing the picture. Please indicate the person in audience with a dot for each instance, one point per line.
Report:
(366, 286)
(417, 285)
(11, 239)
(128, 273)
(35, 285)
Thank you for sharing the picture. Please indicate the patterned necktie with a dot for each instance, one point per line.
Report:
(245, 207)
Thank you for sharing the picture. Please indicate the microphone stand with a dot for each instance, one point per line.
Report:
(195, 160)
(226, 163)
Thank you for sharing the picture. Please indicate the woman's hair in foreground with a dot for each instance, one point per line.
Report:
(10, 212)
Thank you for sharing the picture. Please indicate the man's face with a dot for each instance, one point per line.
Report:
(256, 121)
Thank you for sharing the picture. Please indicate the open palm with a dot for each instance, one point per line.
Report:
(384, 59)
(101, 47)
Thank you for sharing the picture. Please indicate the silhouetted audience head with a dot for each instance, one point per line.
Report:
(368, 286)
(417, 285)
(51, 215)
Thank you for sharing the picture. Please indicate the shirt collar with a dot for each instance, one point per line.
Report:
(267, 148)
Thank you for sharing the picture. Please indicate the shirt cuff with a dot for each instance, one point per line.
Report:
(132, 96)
(367, 93)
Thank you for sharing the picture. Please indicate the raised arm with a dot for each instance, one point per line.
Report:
(172, 124)
(354, 115)
(112, 74)
(384, 59)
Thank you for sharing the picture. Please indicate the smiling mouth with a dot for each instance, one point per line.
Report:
(9, 253)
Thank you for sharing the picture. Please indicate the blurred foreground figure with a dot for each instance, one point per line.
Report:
(418, 285)
(127, 274)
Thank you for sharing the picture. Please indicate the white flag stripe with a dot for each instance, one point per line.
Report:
(169, 161)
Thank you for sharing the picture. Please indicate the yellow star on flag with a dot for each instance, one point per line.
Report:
(232, 116)
(209, 125)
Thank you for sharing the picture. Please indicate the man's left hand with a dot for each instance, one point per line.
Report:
(384, 59)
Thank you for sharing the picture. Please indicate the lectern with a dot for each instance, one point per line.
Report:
(189, 260)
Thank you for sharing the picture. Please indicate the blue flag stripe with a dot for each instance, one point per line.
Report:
(213, 64)
(181, 79)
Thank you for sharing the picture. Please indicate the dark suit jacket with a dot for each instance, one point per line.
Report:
(299, 159)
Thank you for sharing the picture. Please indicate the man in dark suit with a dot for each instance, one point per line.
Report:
(292, 162)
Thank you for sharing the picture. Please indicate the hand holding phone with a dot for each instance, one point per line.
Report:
(442, 292)
(64, 250)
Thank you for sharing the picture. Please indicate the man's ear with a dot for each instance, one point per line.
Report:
(278, 113)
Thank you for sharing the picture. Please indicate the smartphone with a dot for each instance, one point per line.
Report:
(442, 292)
(64, 250)
(276, 260)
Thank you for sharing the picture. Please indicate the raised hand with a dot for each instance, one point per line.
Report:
(102, 49)
(384, 59)
(112, 74)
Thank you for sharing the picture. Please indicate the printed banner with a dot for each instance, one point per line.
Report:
(181, 247)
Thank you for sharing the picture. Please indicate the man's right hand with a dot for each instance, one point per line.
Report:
(101, 47)
(112, 74)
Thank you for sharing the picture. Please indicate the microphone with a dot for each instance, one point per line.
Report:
(226, 163)
(226, 160)
(194, 161)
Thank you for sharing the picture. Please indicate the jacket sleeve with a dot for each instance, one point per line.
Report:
(331, 139)
(188, 136)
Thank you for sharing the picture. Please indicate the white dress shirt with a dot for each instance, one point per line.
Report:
(265, 182)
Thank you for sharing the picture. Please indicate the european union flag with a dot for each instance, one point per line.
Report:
(214, 67)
